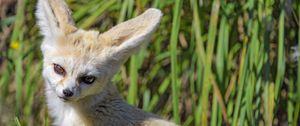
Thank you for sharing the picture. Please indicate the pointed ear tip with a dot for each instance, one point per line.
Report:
(155, 12)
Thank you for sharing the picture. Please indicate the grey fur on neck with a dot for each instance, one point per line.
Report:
(110, 107)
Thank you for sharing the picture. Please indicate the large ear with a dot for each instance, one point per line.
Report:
(127, 37)
(54, 17)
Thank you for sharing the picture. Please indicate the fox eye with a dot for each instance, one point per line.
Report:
(59, 70)
(87, 79)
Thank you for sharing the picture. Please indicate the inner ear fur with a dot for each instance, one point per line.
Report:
(54, 17)
(131, 34)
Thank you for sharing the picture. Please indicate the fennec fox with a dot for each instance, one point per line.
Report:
(79, 64)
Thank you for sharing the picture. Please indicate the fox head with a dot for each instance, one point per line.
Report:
(79, 63)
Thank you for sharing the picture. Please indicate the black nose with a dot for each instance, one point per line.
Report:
(67, 92)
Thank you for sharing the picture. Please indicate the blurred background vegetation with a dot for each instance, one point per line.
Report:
(218, 62)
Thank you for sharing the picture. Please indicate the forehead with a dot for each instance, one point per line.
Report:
(82, 50)
(80, 44)
(81, 47)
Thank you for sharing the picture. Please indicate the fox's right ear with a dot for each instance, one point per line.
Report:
(54, 17)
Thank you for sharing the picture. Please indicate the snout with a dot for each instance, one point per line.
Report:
(67, 93)
(67, 89)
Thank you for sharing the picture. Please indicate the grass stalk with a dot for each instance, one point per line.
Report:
(280, 53)
(173, 52)
(208, 61)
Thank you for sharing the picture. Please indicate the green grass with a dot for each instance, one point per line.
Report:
(173, 51)
(209, 63)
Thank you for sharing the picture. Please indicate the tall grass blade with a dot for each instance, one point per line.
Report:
(208, 61)
(280, 53)
(173, 52)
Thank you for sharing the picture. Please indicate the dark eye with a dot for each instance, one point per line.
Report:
(59, 70)
(87, 79)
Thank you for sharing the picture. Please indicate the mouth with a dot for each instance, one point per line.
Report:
(64, 99)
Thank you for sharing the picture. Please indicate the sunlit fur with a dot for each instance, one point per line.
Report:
(80, 52)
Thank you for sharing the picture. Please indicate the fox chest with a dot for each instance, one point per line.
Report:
(63, 114)
(67, 117)
(71, 118)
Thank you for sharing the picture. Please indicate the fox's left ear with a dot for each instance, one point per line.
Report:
(127, 37)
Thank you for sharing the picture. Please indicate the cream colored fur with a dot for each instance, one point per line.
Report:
(80, 52)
